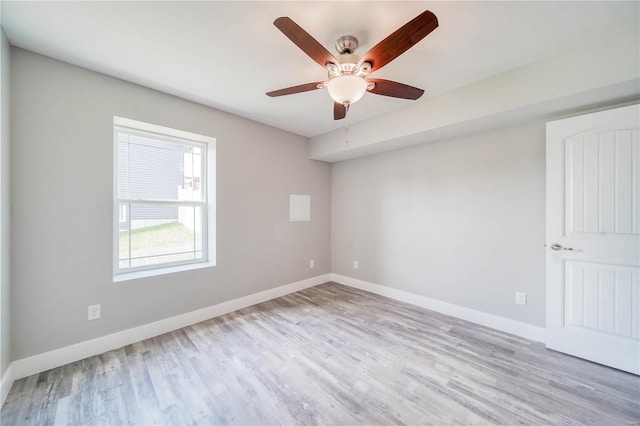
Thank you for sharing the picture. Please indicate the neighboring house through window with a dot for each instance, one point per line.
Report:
(163, 213)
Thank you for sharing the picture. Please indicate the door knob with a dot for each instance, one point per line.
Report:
(557, 247)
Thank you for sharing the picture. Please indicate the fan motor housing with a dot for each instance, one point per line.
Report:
(348, 62)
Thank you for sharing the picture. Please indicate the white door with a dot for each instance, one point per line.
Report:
(593, 230)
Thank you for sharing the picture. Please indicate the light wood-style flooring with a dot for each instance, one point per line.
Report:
(328, 355)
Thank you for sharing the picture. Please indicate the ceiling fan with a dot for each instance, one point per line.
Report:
(348, 73)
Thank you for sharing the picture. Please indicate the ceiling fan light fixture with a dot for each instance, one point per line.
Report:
(347, 89)
(348, 72)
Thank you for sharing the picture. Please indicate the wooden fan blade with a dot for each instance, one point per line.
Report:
(394, 89)
(304, 41)
(295, 89)
(400, 41)
(339, 111)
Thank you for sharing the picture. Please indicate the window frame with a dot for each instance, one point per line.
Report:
(207, 182)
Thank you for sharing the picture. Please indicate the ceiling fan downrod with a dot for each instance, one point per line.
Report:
(346, 44)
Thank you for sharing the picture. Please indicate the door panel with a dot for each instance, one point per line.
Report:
(599, 176)
(593, 211)
(601, 297)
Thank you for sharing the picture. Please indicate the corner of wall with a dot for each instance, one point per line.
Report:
(5, 330)
(6, 381)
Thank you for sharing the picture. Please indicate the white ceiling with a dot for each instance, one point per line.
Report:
(228, 54)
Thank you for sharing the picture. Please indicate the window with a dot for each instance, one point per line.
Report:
(162, 211)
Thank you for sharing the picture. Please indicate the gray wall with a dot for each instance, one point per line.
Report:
(5, 332)
(61, 244)
(460, 220)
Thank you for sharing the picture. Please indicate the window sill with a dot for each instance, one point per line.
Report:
(127, 276)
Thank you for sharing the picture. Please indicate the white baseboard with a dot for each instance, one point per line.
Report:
(5, 383)
(507, 325)
(59, 357)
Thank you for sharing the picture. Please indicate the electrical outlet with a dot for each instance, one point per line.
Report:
(312, 264)
(521, 298)
(355, 264)
(94, 312)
